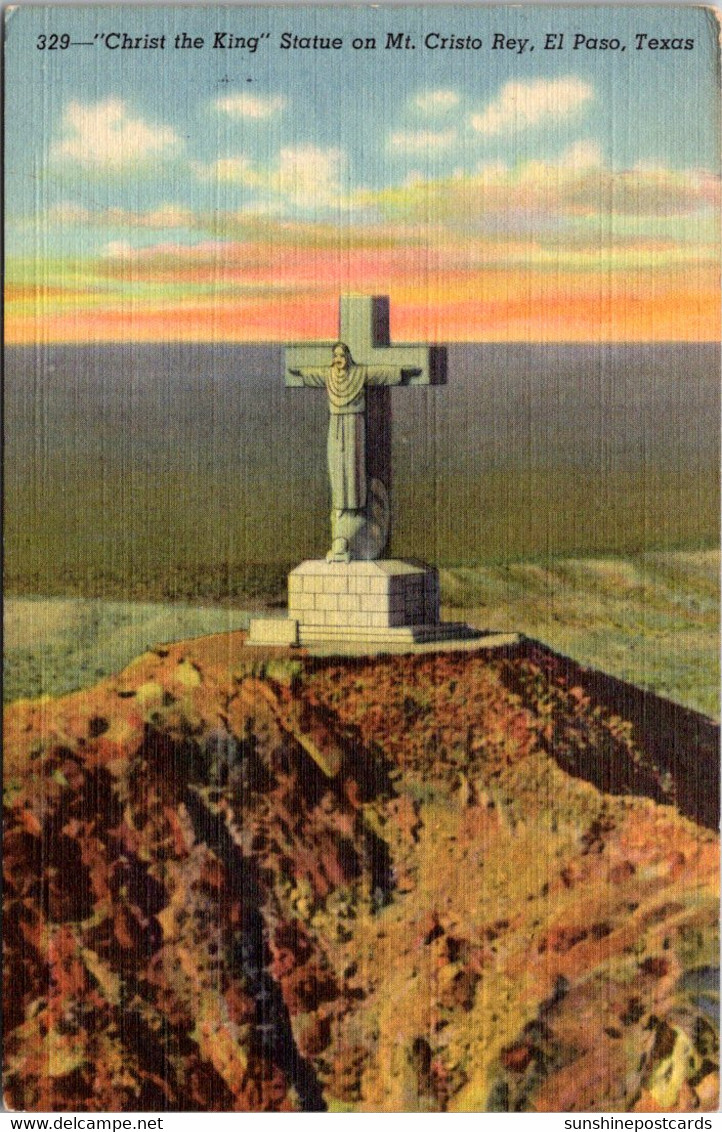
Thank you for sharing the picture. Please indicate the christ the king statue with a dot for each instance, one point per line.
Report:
(345, 382)
(360, 512)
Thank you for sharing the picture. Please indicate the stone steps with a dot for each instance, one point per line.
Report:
(413, 634)
(357, 606)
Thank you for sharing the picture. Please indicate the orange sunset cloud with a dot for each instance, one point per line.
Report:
(545, 253)
(487, 306)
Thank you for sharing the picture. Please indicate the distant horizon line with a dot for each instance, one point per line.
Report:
(281, 344)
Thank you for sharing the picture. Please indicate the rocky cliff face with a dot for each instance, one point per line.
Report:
(461, 881)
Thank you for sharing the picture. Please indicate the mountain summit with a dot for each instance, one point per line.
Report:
(244, 880)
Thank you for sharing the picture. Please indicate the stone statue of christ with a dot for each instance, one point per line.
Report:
(345, 382)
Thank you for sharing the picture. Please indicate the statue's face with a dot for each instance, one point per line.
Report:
(340, 359)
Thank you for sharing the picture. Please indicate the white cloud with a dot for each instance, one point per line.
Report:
(168, 216)
(105, 135)
(433, 101)
(118, 249)
(310, 176)
(534, 103)
(231, 170)
(582, 155)
(306, 177)
(421, 141)
(66, 214)
(414, 177)
(575, 188)
(164, 216)
(247, 105)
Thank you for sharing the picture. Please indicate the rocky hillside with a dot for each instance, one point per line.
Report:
(461, 881)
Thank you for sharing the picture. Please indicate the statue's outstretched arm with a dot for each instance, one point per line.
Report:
(311, 375)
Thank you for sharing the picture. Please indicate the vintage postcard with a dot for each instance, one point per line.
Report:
(362, 376)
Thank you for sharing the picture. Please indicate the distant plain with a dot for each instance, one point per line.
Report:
(568, 492)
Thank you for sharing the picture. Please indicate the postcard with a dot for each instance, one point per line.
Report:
(361, 559)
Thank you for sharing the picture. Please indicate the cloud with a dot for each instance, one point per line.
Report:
(306, 177)
(288, 254)
(251, 105)
(238, 170)
(421, 141)
(538, 102)
(106, 136)
(167, 254)
(310, 176)
(168, 216)
(433, 101)
(582, 155)
(67, 214)
(118, 249)
(575, 202)
(577, 188)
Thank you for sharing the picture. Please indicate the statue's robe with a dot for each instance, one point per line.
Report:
(346, 448)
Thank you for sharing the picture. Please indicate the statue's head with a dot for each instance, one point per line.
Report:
(341, 357)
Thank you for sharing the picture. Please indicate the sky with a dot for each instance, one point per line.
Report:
(524, 189)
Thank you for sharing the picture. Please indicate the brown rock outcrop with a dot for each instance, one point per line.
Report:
(254, 881)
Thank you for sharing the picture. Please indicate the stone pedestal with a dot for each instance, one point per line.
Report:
(384, 594)
(386, 601)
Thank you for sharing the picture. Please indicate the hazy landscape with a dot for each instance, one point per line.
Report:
(163, 472)
(567, 492)
(316, 883)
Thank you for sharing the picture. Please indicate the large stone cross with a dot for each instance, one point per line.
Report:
(356, 372)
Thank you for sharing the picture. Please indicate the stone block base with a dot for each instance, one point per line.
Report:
(385, 594)
(384, 603)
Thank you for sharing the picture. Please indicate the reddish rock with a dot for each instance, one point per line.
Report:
(229, 891)
(655, 965)
(516, 1058)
